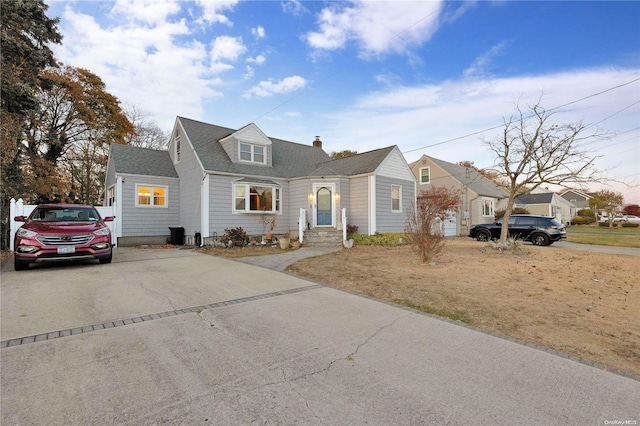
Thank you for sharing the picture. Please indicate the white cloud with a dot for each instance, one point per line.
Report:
(249, 73)
(294, 7)
(150, 69)
(269, 87)
(211, 11)
(378, 27)
(148, 11)
(258, 32)
(419, 118)
(480, 66)
(227, 48)
(258, 60)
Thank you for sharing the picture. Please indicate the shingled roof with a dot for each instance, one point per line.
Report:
(472, 178)
(142, 161)
(541, 198)
(289, 159)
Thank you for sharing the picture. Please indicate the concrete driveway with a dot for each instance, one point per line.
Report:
(175, 337)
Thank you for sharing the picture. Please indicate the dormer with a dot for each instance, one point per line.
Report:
(248, 145)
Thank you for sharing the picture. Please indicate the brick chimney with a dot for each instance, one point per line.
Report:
(317, 143)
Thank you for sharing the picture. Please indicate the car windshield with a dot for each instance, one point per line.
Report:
(67, 214)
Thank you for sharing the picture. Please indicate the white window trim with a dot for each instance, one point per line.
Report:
(399, 200)
(253, 146)
(420, 175)
(493, 207)
(152, 206)
(247, 201)
(111, 195)
(178, 148)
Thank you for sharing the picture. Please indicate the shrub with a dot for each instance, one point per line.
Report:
(606, 224)
(510, 244)
(630, 225)
(386, 239)
(235, 237)
(582, 220)
(351, 229)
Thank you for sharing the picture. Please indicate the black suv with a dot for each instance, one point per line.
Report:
(540, 230)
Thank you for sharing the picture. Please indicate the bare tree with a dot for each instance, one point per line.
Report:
(533, 151)
(147, 133)
(424, 226)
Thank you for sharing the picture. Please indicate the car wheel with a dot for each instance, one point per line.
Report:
(107, 259)
(540, 240)
(20, 265)
(483, 235)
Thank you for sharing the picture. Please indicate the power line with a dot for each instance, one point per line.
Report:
(552, 109)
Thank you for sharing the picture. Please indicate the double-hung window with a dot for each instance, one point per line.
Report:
(256, 198)
(396, 198)
(425, 175)
(151, 196)
(252, 153)
(488, 207)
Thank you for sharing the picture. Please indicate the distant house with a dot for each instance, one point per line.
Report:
(577, 198)
(548, 204)
(212, 178)
(481, 197)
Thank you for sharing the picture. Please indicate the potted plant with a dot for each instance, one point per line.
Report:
(284, 241)
(267, 221)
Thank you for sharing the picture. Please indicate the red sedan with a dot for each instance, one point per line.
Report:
(57, 232)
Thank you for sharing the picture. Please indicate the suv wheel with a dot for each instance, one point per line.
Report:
(540, 239)
(483, 235)
(20, 265)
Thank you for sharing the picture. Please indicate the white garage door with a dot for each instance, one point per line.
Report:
(451, 226)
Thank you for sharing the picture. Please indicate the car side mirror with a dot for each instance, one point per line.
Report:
(109, 218)
(20, 219)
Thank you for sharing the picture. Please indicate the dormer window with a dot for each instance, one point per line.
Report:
(252, 153)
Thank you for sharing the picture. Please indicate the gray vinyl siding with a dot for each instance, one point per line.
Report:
(388, 220)
(344, 186)
(358, 213)
(110, 180)
(149, 221)
(191, 174)
(395, 166)
(221, 216)
(298, 199)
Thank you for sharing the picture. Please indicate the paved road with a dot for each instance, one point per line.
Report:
(629, 251)
(175, 337)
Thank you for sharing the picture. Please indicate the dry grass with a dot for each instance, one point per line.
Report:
(580, 303)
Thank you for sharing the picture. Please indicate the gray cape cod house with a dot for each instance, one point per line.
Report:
(211, 178)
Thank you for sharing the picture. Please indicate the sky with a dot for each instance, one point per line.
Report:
(434, 78)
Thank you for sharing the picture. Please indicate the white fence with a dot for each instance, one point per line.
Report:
(18, 208)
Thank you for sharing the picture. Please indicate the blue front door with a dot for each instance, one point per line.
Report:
(323, 211)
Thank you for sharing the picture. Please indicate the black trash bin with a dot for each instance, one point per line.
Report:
(177, 236)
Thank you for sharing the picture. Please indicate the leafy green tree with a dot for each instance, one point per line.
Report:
(342, 154)
(69, 136)
(608, 201)
(25, 35)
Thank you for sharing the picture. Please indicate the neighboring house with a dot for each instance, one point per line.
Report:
(481, 197)
(577, 198)
(213, 178)
(548, 204)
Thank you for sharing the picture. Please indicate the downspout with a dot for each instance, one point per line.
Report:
(204, 209)
(119, 218)
(372, 204)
